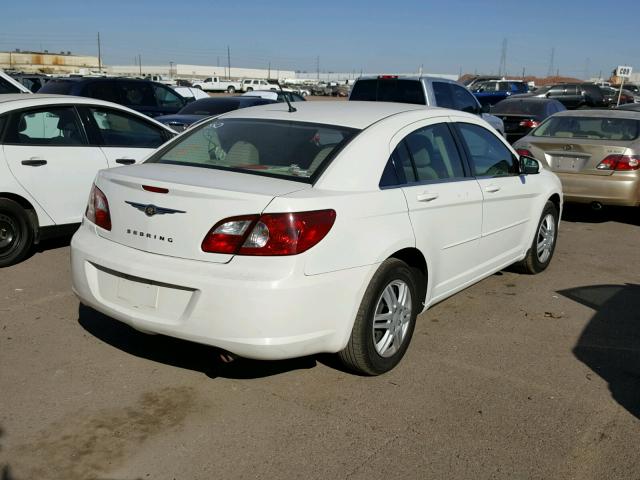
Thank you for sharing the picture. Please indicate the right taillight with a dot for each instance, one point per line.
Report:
(529, 123)
(270, 234)
(98, 209)
(620, 163)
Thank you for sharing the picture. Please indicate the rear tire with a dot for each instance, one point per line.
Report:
(544, 242)
(16, 233)
(385, 320)
(250, 89)
(231, 90)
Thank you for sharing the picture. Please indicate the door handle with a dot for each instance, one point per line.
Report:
(492, 188)
(125, 161)
(426, 196)
(34, 162)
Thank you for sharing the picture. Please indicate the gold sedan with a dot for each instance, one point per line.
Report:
(596, 154)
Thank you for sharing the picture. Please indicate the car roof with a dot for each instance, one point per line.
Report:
(14, 101)
(353, 114)
(600, 114)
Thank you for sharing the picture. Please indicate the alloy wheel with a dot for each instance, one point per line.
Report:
(546, 238)
(391, 318)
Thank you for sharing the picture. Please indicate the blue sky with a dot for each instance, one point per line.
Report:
(351, 35)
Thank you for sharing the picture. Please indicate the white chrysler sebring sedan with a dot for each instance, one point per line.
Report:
(275, 232)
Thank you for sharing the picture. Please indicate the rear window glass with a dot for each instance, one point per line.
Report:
(389, 90)
(594, 128)
(523, 107)
(57, 87)
(291, 150)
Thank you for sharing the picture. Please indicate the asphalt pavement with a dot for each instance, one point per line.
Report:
(517, 377)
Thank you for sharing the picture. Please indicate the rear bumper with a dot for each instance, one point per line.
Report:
(262, 308)
(619, 188)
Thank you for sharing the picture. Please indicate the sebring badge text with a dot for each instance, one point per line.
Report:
(149, 235)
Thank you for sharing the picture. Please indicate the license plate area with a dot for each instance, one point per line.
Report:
(138, 292)
(567, 163)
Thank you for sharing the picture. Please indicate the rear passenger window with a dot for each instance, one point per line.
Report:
(138, 94)
(434, 153)
(489, 156)
(442, 93)
(463, 100)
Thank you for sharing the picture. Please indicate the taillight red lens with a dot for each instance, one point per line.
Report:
(620, 163)
(98, 209)
(529, 123)
(153, 189)
(270, 233)
(523, 152)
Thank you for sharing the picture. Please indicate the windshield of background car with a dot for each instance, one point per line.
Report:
(285, 149)
(389, 90)
(593, 128)
(519, 107)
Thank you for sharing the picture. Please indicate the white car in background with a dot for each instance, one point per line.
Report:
(272, 233)
(51, 147)
(276, 95)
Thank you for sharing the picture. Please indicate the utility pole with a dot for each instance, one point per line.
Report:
(140, 63)
(523, 70)
(318, 66)
(171, 70)
(502, 70)
(269, 74)
(99, 55)
(229, 61)
(551, 62)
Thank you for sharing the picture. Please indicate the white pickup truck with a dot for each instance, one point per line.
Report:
(214, 84)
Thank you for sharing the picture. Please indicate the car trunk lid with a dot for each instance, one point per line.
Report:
(185, 202)
(568, 155)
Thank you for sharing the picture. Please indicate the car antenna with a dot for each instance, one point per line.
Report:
(291, 108)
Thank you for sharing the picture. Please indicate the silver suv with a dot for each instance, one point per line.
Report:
(421, 90)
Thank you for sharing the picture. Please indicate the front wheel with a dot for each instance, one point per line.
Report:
(16, 234)
(385, 321)
(544, 242)
(231, 90)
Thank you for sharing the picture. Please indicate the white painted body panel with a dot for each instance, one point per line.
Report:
(281, 307)
(58, 191)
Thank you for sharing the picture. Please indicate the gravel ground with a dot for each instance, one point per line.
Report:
(516, 377)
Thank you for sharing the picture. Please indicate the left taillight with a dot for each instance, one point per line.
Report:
(269, 234)
(529, 123)
(98, 209)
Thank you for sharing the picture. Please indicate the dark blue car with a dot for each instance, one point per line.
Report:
(207, 107)
(151, 98)
(492, 92)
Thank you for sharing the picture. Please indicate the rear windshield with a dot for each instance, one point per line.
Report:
(57, 87)
(291, 150)
(520, 107)
(594, 128)
(389, 90)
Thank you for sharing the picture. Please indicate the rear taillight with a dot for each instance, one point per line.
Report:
(387, 77)
(269, 234)
(529, 123)
(620, 163)
(523, 152)
(98, 209)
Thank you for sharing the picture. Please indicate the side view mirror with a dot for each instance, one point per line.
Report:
(548, 94)
(486, 108)
(529, 165)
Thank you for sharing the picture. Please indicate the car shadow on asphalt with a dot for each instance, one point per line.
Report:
(610, 343)
(181, 353)
(573, 212)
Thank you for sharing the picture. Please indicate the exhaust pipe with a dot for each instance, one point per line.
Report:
(596, 206)
(226, 357)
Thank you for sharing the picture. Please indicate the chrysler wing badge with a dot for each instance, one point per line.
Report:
(151, 210)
